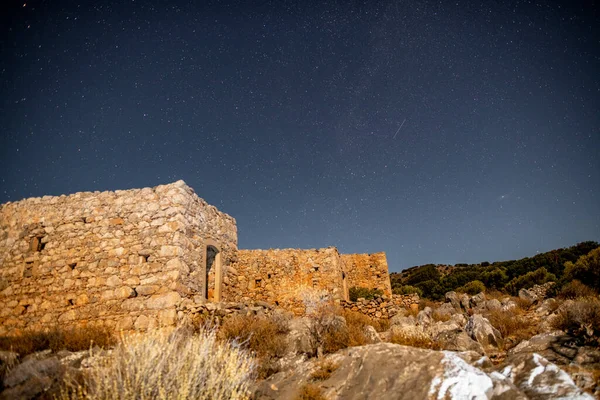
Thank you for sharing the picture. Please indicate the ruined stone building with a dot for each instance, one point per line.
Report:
(128, 258)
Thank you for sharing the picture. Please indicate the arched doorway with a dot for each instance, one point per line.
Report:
(212, 271)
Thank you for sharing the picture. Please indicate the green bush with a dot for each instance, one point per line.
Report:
(537, 277)
(407, 289)
(362, 292)
(472, 288)
(586, 269)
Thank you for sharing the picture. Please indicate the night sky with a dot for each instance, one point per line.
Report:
(438, 132)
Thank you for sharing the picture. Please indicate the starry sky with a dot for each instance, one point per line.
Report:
(436, 131)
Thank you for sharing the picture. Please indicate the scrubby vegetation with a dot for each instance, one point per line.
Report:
(264, 337)
(159, 365)
(57, 339)
(581, 262)
(581, 320)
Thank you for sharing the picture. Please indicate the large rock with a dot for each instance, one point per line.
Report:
(458, 340)
(446, 309)
(409, 373)
(478, 300)
(538, 378)
(528, 295)
(493, 305)
(425, 317)
(481, 330)
(559, 348)
(454, 300)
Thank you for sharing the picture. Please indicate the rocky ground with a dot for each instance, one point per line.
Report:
(465, 357)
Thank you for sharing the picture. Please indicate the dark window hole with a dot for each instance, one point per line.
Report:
(72, 266)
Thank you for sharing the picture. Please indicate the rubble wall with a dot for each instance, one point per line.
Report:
(124, 259)
(285, 277)
(368, 271)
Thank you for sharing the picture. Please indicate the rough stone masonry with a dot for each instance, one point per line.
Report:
(127, 259)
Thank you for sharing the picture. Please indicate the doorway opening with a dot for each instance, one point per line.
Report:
(212, 272)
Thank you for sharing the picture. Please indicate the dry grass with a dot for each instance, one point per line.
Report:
(512, 323)
(581, 320)
(437, 317)
(323, 371)
(523, 304)
(72, 339)
(310, 392)
(415, 339)
(159, 365)
(427, 303)
(265, 337)
(575, 289)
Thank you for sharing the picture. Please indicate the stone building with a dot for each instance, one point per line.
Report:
(128, 258)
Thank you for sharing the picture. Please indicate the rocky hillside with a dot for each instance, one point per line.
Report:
(433, 281)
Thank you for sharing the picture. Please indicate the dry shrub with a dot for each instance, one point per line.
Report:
(362, 320)
(71, 339)
(310, 392)
(427, 303)
(161, 365)
(510, 323)
(323, 371)
(581, 320)
(523, 304)
(438, 317)
(575, 289)
(414, 338)
(265, 337)
(494, 294)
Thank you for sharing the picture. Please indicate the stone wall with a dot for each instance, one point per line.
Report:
(383, 307)
(368, 271)
(284, 277)
(123, 258)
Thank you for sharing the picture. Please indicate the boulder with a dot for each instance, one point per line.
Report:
(31, 378)
(454, 300)
(546, 308)
(478, 300)
(481, 330)
(538, 378)
(371, 334)
(528, 295)
(508, 304)
(458, 340)
(446, 309)
(493, 305)
(424, 318)
(409, 373)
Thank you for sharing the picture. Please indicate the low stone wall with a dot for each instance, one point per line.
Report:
(383, 307)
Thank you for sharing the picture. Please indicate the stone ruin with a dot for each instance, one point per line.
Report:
(128, 259)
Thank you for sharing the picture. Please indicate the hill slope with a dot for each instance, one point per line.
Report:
(433, 281)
